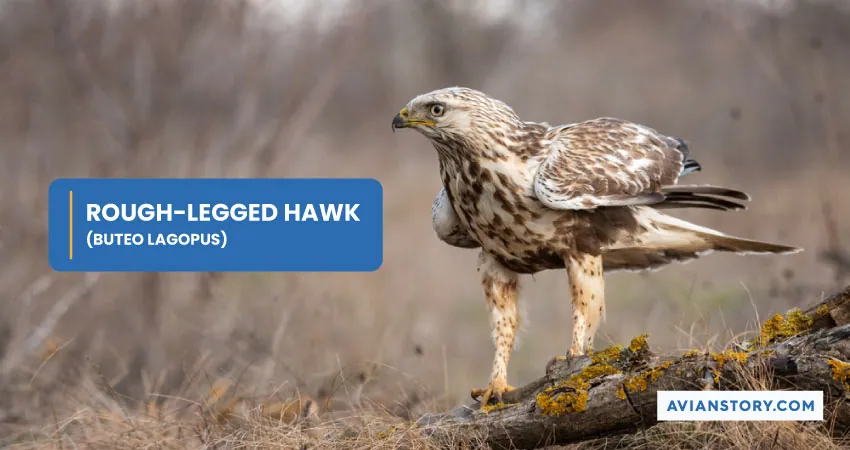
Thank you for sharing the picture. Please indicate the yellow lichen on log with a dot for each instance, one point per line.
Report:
(723, 357)
(498, 406)
(598, 370)
(641, 381)
(571, 395)
(621, 394)
(609, 355)
(691, 353)
(553, 402)
(840, 371)
(729, 355)
(638, 344)
(779, 327)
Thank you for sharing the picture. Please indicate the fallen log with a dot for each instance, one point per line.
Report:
(614, 391)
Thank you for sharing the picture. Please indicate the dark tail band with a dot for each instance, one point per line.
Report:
(706, 197)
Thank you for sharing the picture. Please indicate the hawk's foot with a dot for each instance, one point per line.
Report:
(493, 392)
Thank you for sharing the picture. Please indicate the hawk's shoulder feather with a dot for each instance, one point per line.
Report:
(607, 162)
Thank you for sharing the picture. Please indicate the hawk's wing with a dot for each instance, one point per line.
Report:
(447, 225)
(609, 162)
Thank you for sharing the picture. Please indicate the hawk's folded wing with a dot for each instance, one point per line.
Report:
(609, 162)
(448, 226)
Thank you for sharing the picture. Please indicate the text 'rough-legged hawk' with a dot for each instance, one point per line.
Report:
(586, 197)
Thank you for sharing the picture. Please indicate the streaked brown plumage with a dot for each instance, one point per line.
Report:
(585, 197)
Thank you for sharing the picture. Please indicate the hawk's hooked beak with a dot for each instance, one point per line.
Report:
(401, 120)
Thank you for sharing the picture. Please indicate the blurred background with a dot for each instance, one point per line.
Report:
(202, 88)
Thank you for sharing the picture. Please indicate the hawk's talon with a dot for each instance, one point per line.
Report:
(491, 393)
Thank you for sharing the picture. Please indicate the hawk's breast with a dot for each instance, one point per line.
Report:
(495, 201)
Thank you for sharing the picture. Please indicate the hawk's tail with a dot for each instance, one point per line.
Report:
(738, 245)
(667, 239)
(702, 196)
(682, 235)
(691, 165)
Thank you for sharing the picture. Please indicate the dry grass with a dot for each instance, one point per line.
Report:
(725, 435)
(91, 414)
(213, 88)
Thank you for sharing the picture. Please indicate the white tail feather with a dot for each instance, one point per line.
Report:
(668, 239)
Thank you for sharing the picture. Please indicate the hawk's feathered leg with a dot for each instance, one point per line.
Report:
(501, 290)
(588, 292)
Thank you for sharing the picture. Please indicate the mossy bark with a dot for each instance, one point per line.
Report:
(614, 391)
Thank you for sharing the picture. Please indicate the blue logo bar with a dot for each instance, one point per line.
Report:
(215, 225)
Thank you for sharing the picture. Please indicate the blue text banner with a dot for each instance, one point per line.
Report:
(215, 225)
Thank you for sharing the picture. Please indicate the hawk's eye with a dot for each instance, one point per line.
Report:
(437, 110)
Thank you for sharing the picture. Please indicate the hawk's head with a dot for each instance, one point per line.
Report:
(456, 114)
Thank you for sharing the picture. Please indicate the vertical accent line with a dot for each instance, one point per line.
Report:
(70, 224)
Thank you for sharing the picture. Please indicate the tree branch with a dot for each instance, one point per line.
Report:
(614, 391)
